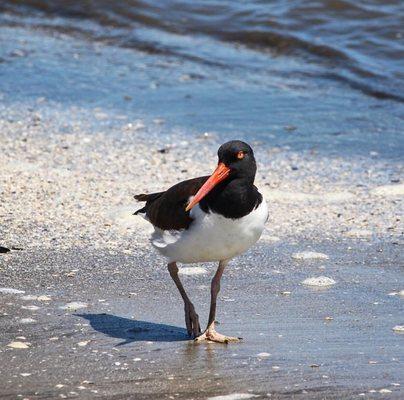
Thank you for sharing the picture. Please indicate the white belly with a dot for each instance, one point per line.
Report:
(211, 237)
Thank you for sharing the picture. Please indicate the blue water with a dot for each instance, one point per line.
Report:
(310, 75)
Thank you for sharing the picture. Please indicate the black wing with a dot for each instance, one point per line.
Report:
(166, 210)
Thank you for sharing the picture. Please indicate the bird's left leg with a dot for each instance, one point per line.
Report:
(191, 317)
(210, 333)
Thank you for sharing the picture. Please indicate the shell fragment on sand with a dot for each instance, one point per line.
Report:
(73, 306)
(19, 345)
(192, 271)
(399, 329)
(319, 281)
(234, 396)
(309, 255)
(7, 290)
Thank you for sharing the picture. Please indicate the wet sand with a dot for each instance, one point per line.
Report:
(67, 205)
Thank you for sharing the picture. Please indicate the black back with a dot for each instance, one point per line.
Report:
(233, 198)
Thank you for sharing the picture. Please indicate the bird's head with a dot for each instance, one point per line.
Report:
(236, 160)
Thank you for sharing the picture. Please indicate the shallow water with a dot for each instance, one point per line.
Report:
(333, 343)
(304, 74)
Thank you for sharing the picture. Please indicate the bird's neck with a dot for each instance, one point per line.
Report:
(233, 199)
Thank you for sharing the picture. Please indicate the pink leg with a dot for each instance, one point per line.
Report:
(191, 317)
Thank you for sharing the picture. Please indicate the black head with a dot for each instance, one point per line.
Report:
(238, 156)
(236, 161)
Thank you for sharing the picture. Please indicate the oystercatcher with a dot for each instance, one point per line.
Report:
(210, 218)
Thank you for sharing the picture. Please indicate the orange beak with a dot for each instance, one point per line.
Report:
(220, 174)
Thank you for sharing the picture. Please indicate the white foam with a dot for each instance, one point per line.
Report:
(309, 255)
(319, 281)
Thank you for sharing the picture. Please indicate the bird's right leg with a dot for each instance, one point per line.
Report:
(191, 317)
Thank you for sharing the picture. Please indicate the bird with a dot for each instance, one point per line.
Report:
(208, 219)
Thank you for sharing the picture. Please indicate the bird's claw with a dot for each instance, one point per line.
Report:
(211, 335)
(192, 321)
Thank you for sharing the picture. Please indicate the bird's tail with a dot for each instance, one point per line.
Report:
(148, 198)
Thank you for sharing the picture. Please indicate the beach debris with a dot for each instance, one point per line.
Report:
(263, 355)
(328, 318)
(192, 270)
(7, 290)
(25, 374)
(285, 293)
(73, 306)
(234, 396)
(19, 345)
(314, 365)
(309, 255)
(319, 281)
(4, 249)
(398, 328)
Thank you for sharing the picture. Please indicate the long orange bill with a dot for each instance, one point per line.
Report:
(220, 174)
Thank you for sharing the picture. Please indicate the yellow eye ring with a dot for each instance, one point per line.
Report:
(240, 155)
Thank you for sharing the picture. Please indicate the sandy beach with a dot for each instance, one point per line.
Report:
(67, 217)
(88, 310)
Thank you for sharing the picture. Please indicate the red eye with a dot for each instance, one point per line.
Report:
(240, 155)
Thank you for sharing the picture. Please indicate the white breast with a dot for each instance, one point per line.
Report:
(211, 237)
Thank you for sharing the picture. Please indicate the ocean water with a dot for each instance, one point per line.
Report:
(324, 75)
